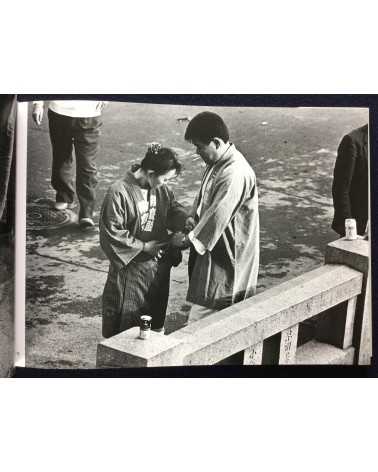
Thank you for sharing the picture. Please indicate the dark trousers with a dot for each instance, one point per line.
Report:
(7, 131)
(81, 134)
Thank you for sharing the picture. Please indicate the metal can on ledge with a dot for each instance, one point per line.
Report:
(145, 327)
(350, 229)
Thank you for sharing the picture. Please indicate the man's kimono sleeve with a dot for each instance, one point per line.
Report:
(177, 214)
(230, 191)
(116, 233)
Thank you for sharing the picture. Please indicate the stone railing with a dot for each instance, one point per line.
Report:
(264, 329)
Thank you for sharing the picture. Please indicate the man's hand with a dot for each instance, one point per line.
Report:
(180, 240)
(37, 114)
(154, 248)
(189, 224)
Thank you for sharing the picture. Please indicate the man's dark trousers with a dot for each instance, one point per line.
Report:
(81, 134)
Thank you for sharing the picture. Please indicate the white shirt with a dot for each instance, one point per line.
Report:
(203, 191)
(74, 108)
(198, 246)
(143, 206)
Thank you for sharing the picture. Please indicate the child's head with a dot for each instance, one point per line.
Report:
(209, 134)
(160, 165)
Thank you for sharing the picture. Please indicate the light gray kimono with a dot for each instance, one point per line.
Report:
(228, 228)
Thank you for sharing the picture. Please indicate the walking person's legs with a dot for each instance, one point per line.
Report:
(86, 142)
(62, 159)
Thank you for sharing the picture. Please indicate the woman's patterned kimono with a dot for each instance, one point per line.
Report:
(137, 283)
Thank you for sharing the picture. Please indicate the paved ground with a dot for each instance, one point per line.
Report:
(292, 152)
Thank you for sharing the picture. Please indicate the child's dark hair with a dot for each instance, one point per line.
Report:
(205, 127)
(161, 160)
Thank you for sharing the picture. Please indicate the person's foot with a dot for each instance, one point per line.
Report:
(60, 206)
(86, 224)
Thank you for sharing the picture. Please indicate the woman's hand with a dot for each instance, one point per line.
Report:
(154, 248)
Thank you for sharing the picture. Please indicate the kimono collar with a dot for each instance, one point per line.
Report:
(227, 153)
(131, 180)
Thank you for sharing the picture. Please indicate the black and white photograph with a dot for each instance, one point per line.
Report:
(162, 235)
(188, 236)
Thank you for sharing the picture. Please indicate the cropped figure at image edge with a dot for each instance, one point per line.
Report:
(350, 188)
(73, 124)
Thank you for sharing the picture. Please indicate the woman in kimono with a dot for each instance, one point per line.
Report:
(137, 214)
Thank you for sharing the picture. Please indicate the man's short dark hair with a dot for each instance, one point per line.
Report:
(205, 127)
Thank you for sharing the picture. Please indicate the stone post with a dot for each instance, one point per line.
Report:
(355, 254)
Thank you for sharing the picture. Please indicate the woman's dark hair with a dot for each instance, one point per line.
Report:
(205, 127)
(161, 160)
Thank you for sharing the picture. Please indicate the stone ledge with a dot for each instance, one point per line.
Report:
(354, 254)
(247, 323)
(158, 350)
(316, 353)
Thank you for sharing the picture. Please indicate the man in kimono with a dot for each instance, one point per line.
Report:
(224, 230)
